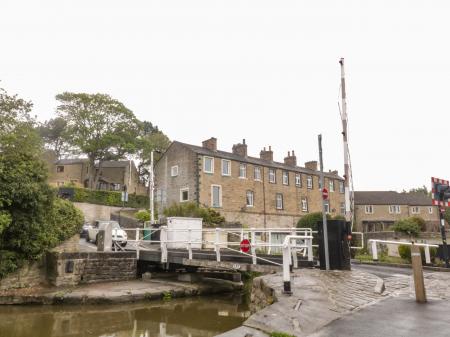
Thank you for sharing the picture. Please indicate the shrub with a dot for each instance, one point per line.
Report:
(311, 220)
(420, 222)
(405, 252)
(407, 226)
(109, 198)
(66, 219)
(142, 215)
(192, 210)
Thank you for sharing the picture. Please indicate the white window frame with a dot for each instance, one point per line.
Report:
(251, 199)
(220, 196)
(255, 169)
(331, 184)
(298, 180)
(309, 182)
(281, 199)
(174, 171)
(415, 209)
(327, 206)
(185, 189)
(342, 208)
(204, 164)
(368, 209)
(242, 165)
(430, 210)
(304, 204)
(285, 177)
(395, 209)
(274, 176)
(229, 167)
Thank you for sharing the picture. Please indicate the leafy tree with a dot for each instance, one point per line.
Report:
(99, 126)
(53, 132)
(419, 190)
(420, 222)
(407, 226)
(28, 222)
(142, 215)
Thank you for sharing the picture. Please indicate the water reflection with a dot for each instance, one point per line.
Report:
(203, 316)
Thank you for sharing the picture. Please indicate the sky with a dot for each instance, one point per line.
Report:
(263, 70)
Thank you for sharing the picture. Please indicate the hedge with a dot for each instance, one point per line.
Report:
(109, 198)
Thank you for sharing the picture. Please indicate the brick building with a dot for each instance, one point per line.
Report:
(258, 192)
(376, 211)
(113, 176)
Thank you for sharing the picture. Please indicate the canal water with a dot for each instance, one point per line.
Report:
(190, 317)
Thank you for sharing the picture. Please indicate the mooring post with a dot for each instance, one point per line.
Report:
(189, 244)
(419, 285)
(163, 240)
(217, 244)
(374, 251)
(286, 268)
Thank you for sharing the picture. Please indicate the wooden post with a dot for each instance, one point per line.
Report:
(419, 284)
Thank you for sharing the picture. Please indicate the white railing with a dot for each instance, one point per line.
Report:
(260, 240)
(374, 243)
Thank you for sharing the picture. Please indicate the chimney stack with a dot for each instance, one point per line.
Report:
(291, 160)
(210, 144)
(240, 149)
(311, 165)
(266, 155)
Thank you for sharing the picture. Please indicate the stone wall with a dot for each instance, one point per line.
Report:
(94, 212)
(262, 295)
(30, 275)
(69, 269)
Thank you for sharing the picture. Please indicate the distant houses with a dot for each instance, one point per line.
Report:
(376, 211)
(114, 175)
(258, 192)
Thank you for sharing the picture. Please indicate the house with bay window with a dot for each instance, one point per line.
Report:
(258, 192)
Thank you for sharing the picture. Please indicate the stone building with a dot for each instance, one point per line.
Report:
(113, 176)
(258, 192)
(376, 211)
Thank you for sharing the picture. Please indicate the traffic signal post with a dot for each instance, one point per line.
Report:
(440, 195)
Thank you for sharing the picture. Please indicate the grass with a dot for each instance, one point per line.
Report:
(381, 258)
(280, 334)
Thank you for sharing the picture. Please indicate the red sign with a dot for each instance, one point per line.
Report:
(324, 194)
(245, 246)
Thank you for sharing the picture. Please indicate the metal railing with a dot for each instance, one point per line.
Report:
(374, 243)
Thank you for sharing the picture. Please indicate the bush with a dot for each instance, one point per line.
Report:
(109, 198)
(192, 210)
(405, 252)
(420, 222)
(142, 215)
(407, 226)
(66, 219)
(311, 220)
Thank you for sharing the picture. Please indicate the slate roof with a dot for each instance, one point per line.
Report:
(253, 160)
(391, 198)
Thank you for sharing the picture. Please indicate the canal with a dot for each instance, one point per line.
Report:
(190, 317)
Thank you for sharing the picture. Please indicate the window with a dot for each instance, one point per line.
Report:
(298, 180)
(415, 210)
(368, 209)
(59, 169)
(327, 206)
(174, 171)
(309, 182)
(272, 178)
(242, 170)
(184, 194)
(304, 202)
(285, 178)
(226, 167)
(430, 210)
(250, 198)
(343, 208)
(279, 201)
(208, 164)
(257, 173)
(216, 196)
(341, 187)
(331, 185)
(394, 209)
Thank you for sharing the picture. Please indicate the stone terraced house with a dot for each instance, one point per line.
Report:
(376, 211)
(257, 192)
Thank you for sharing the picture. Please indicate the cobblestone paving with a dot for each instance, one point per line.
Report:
(437, 286)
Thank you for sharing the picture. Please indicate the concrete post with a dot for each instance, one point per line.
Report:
(189, 244)
(163, 239)
(104, 241)
(427, 255)
(253, 246)
(374, 251)
(419, 284)
(286, 270)
(217, 244)
(310, 250)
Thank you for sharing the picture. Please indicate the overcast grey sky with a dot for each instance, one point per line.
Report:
(266, 71)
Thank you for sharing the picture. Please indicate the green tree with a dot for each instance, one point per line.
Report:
(192, 210)
(53, 132)
(99, 126)
(418, 190)
(407, 226)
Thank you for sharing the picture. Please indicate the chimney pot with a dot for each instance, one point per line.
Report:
(311, 165)
(240, 149)
(291, 160)
(266, 155)
(210, 144)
